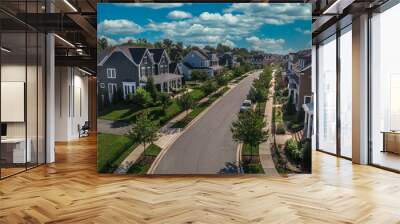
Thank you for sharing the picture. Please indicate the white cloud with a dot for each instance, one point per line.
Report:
(228, 43)
(118, 26)
(304, 31)
(151, 5)
(276, 13)
(176, 14)
(269, 45)
(216, 17)
(118, 41)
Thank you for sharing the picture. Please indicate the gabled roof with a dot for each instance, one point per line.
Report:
(137, 54)
(134, 54)
(157, 53)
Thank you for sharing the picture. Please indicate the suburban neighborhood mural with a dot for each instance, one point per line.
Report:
(204, 88)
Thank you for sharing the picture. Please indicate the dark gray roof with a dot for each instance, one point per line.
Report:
(101, 55)
(203, 53)
(137, 54)
(157, 53)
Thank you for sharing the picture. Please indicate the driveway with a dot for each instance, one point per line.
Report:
(113, 127)
(206, 146)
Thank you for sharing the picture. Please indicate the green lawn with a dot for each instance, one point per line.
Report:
(152, 150)
(129, 112)
(144, 163)
(111, 149)
(197, 94)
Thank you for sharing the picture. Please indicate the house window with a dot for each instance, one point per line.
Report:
(145, 60)
(102, 85)
(307, 99)
(112, 89)
(128, 87)
(143, 71)
(111, 73)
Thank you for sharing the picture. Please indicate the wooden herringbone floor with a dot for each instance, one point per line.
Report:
(70, 191)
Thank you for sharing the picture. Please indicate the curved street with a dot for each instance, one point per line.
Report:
(207, 146)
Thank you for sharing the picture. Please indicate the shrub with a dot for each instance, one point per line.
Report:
(293, 151)
(280, 129)
(209, 86)
(199, 75)
(141, 98)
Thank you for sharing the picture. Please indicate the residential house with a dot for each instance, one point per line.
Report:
(201, 60)
(299, 77)
(228, 59)
(125, 68)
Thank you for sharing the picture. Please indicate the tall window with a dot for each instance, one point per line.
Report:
(385, 89)
(327, 95)
(346, 92)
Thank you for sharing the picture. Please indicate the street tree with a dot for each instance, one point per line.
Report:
(151, 88)
(248, 129)
(165, 101)
(209, 86)
(144, 131)
(186, 102)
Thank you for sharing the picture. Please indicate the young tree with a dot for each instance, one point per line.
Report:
(151, 88)
(165, 100)
(248, 129)
(144, 131)
(222, 79)
(209, 86)
(141, 98)
(199, 75)
(186, 102)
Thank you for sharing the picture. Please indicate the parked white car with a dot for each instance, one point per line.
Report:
(246, 105)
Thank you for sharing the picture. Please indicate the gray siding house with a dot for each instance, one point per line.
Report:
(200, 60)
(125, 68)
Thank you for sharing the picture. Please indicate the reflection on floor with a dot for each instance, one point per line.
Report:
(387, 159)
(11, 169)
(71, 191)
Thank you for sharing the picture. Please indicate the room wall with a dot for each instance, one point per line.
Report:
(71, 102)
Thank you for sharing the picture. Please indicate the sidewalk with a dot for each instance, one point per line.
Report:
(167, 136)
(265, 148)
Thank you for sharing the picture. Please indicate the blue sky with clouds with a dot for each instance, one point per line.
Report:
(273, 28)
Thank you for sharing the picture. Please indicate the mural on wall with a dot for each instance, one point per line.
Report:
(204, 88)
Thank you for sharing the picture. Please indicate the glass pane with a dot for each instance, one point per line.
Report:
(31, 98)
(327, 95)
(385, 92)
(13, 86)
(346, 93)
(41, 99)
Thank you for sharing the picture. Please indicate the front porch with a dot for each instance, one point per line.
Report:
(168, 82)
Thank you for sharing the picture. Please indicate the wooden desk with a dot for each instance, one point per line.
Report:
(391, 141)
(13, 150)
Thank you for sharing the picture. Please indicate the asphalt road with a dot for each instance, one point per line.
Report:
(207, 145)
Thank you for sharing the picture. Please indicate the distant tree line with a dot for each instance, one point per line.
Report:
(176, 50)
